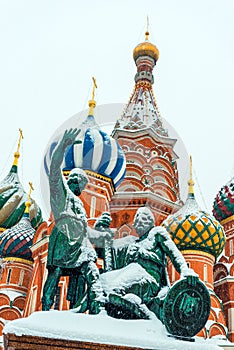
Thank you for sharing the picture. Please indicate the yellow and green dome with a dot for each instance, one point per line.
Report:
(193, 229)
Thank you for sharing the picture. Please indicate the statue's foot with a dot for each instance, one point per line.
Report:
(46, 303)
(127, 307)
(96, 307)
(46, 307)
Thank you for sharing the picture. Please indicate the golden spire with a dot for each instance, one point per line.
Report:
(28, 203)
(92, 102)
(147, 29)
(190, 181)
(17, 154)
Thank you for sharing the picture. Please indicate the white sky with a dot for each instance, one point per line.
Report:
(51, 49)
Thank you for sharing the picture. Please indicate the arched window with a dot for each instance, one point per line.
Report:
(124, 234)
(205, 273)
(9, 276)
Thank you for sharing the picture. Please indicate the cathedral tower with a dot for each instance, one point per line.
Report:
(19, 217)
(223, 210)
(151, 169)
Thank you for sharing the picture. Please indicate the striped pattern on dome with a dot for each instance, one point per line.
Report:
(16, 241)
(12, 202)
(223, 206)
(193, 229)
(98, 152)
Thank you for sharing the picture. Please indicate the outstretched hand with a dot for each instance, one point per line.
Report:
(69, 137)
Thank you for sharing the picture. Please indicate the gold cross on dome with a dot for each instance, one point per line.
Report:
(94, 87)
(92, 103)
(20, 138)
(190, 181)
(17, 154)
(30, 190)
(147, 29)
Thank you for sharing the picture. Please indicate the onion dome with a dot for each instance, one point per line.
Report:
(193, 229)
(98, 152)
(146, 49)
(13, 198)
(223, 206)
(16, 241)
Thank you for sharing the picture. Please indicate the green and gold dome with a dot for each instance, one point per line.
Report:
(13, 198)
(193, 229)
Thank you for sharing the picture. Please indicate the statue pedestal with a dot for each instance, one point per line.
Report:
(68, 330)
(26, 342)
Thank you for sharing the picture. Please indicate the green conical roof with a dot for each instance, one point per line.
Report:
(12, 202)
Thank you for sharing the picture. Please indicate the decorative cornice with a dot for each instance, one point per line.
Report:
(147, 195)
(96, 175)
(198, 252)
(227, 220)
(40, 243)
(20, 260)
(148, 131)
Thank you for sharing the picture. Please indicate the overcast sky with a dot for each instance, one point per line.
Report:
(50, 49)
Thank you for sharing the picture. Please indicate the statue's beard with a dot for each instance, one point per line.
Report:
(141, 229)
(77, 191)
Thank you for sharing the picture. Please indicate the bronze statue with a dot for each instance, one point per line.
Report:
(134, 282)
(139, 287)
(70, 251)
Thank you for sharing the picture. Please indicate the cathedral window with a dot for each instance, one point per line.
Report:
(205, 273)
(9, 276)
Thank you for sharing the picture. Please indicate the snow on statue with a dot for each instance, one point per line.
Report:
(138, 288)
(70, 250)
(135, 283)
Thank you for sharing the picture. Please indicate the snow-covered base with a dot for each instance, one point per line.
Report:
(101, 329)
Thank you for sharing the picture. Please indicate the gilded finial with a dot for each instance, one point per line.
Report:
(92, 102)
(147, 29)
(17, 154)
(190, 181)
(28, 203)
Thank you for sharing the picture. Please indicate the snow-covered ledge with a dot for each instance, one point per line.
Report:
(150, 334)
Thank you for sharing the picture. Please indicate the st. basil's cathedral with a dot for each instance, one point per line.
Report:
(133, 167)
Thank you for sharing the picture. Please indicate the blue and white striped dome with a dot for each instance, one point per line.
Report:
(98, 152)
